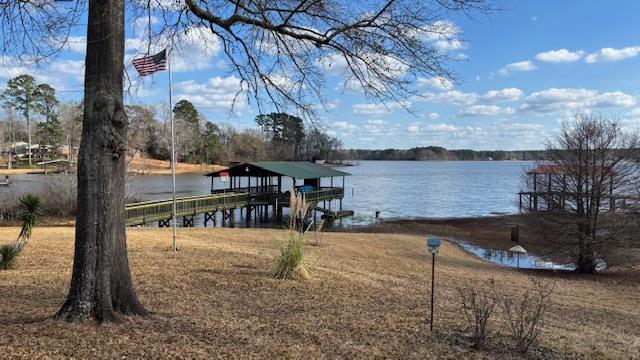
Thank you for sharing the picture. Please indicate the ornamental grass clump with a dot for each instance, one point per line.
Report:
(289, 262)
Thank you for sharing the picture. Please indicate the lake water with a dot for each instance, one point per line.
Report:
(397, 189)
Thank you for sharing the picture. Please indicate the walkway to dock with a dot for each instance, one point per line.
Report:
(253, 204)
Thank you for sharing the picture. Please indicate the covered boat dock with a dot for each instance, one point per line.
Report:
(259, 190)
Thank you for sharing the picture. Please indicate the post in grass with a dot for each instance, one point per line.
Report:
(433, 245)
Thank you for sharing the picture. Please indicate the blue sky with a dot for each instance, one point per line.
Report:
(522, 72)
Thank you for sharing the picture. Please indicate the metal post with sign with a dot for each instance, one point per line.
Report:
(433, 245)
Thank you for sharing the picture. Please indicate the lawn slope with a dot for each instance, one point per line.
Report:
(368, 298)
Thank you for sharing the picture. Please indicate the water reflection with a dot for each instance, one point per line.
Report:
(510, 259)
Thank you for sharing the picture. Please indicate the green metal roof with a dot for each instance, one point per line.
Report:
(295, 169)
(299, 169)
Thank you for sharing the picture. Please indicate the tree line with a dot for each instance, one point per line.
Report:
(34, 115)
(439, 153)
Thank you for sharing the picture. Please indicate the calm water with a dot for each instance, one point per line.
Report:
(397, 189)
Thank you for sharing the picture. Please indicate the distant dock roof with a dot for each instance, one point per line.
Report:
(56, 161)
(294, 169)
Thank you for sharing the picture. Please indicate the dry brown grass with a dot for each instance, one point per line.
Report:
(368, 298)
(163, 167)
(5, 171)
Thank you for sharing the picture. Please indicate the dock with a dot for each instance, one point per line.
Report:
(254, 190)
(551, 191)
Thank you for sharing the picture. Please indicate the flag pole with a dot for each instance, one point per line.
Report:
(173, 152)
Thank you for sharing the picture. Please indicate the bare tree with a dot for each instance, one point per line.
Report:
(71, 119)
(278, 49)
(11, 129)
(589, 164)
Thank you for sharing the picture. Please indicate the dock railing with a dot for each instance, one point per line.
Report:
(160, 210)
(150, 211)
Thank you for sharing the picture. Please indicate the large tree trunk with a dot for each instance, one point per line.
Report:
(586, 263)
(101, 285)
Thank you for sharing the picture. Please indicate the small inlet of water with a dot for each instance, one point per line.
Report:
(510, 259)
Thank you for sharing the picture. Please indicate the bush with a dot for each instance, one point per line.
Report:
(289, 261)
(477, 304)
(8, 256)
(525, 315)
(60, 192)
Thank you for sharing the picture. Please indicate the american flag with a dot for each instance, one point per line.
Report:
(150, 64)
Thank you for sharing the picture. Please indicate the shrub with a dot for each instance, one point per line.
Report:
(60, 192)
(478, 304)
(525, 314)
(289, 261)
(8, 255)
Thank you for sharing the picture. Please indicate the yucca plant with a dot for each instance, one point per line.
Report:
(29, 216)
(8, 255)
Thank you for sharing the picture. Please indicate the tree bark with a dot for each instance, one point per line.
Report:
(586, 263)
(101, 286)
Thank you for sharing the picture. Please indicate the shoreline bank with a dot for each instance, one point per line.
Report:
(488, 232)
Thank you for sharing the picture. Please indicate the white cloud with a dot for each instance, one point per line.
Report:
(611, 55)
(334, 64)
(452, 97)
(560, 56)
(217, 93)
(438, 83)
(434, 116)
(326, 105)
(520, 66)
(377, 109)
(554, 99)
(74, 68)
(444, 36)
(343, 125)
(76, 44)
(485, 110)
(10, 67)
(413, 128)
(193, 50)
(507, 94)
(441, 128)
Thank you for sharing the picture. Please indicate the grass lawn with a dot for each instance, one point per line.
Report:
(368, 298)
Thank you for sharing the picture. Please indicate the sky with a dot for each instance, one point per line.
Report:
(522, 72)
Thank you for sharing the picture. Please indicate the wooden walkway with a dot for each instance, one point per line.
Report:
(142, 213)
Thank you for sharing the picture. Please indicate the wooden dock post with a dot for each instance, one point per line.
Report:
(535, 192)
(210, 216)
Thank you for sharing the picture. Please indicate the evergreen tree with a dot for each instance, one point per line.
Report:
(188, 134)
(50, 131)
